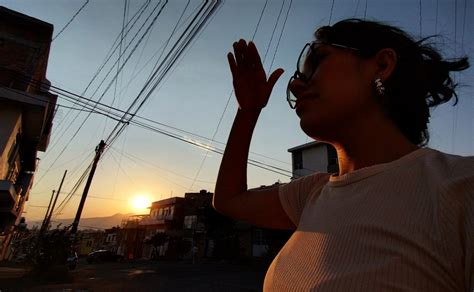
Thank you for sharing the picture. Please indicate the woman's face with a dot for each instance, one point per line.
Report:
(337, 95)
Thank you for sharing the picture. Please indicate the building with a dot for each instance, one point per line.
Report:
(313, 157)
(26, 112)
(111, 239)
(89, 241)
(166, 216)
(131, 236)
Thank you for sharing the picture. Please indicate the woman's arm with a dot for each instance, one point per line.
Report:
(231, 196)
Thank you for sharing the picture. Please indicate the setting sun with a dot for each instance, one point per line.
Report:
(140, 202)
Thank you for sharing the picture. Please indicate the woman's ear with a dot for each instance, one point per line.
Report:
(385, 60)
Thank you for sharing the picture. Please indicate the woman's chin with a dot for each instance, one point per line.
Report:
(317, 129)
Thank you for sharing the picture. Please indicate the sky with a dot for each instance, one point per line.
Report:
(194, 95)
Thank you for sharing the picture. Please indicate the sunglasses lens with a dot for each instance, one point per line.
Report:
(305, 63)
(289, 95)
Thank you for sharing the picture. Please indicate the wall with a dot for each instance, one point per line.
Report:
(10, 119)
(314, 159)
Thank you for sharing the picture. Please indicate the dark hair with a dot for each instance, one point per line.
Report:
(420, 79)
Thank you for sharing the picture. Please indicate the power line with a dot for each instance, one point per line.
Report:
(103, 94)
(281, 34)
(170, 59)
(365, 9)
(330, 14)
(357, 8)
(72, 18)
(273, 31)
(115, 133)
(421, 28)
(70, 96)
(109, 55)
(436, 17)
(228, 99)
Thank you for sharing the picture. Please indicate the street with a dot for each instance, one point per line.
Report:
(146, 276)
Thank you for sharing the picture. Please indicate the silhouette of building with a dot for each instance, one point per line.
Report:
(26, 112)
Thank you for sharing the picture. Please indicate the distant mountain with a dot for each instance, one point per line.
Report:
(88, 223)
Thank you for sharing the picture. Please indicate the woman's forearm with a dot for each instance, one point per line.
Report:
(232, 178)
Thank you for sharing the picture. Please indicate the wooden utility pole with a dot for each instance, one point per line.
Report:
(48, 220)
(98, 151)
(47, 211)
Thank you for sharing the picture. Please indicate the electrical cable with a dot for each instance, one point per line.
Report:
(121, 129)
(421, 21)
(357, 8)
(232, 91)
(111, 52)
(60, 93)
(69, 22)
(436, 17)
(365, 10)
(259, 19)
(273, 31)
(115, 133)
(103, 94)
(330, 14)
(455, 109)
(165, 178)
(281, 34)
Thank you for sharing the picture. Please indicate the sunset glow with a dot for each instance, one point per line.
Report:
(140, 203)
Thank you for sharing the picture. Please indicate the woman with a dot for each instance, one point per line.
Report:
(397, 216)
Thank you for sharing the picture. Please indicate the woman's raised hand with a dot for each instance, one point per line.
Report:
(251, 86)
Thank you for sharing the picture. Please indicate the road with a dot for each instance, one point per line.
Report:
(148, 276)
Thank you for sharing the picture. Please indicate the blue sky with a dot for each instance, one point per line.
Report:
(194, 93)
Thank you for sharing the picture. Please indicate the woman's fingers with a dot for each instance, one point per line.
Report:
(232, 65)
(253, 56)
(240, 49)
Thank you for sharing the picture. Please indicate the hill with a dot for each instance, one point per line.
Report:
(88, 223)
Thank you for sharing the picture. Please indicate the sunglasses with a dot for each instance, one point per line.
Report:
(307, 64)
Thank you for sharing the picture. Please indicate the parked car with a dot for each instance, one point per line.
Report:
(102, 256)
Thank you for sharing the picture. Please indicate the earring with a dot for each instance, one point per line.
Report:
(379, 87)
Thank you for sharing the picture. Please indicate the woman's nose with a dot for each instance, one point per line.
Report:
(296, 86)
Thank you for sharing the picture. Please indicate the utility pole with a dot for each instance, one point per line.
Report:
(98, 151)
(47, 211)
(48, 220)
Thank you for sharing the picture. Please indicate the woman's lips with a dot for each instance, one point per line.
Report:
(301, 100)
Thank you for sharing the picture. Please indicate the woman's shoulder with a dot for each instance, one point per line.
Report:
(451, 164)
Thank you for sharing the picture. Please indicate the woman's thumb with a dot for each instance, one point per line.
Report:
(274, 77)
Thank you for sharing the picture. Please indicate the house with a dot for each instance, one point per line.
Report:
(26, 112)
(111, 239)
(131, 236)
(89, 241)
(313, 157)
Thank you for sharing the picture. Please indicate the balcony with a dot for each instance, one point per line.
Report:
(8, 194)
(9, 203)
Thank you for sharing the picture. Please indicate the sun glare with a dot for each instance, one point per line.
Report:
(140, 202)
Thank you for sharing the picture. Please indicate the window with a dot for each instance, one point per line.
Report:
(297, 160)
(14, 160)
(258, 236)
(190, 222)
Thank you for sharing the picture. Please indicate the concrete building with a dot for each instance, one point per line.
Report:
(26, 112)
(313, 157)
